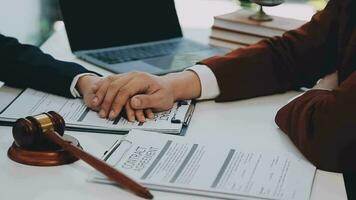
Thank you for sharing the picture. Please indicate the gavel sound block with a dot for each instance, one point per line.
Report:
(32, 148)
(40, 140)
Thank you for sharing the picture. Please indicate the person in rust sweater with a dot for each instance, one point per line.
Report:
(321, 122)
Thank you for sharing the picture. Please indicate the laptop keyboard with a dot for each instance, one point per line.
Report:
(115, 56)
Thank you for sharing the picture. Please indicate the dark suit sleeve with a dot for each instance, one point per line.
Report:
(322, 125)
(297, 59)
(27, 66)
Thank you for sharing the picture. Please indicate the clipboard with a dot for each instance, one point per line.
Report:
(178, 117)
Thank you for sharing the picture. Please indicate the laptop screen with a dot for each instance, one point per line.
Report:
(95, 24)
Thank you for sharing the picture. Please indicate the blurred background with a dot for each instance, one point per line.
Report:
(33, 21)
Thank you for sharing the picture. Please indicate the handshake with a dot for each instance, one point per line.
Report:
(139, 94)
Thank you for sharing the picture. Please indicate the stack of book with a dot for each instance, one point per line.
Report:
(235, 30)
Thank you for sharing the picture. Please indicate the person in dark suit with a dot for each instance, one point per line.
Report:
(321, 122)
(27, 66)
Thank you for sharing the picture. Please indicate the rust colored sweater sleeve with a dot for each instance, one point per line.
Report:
(322, 125)
(297, 59)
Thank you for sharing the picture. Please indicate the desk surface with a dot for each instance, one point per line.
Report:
(245, 123)
(242, 122)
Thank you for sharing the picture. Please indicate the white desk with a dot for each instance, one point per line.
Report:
(243, 123)
(249, 122)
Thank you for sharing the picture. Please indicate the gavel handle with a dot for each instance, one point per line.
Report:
(100, 165)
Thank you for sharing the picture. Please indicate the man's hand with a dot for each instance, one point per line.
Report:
(329, 82)
(141, 93)
(135, 91)
(87, 86)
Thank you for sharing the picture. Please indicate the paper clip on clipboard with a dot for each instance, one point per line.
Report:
(185, 119)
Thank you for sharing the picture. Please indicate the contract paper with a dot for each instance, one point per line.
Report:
(171, 163)
(77, 114)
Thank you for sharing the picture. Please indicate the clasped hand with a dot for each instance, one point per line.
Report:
(139, 94)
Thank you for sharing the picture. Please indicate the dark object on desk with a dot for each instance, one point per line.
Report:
(47, 155)
(261, 15)
(122, 36)
(350, 184)
(31, 148)
(45, 131)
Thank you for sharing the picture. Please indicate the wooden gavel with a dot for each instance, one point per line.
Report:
(46, 130)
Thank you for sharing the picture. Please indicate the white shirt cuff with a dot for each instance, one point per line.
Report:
(73, 90)
(209, 84)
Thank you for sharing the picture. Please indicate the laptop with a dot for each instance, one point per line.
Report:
(126, 35)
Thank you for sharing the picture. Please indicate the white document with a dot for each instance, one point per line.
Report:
(76, 114)
(173, 163)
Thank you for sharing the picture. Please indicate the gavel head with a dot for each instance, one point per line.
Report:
(29, 132)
